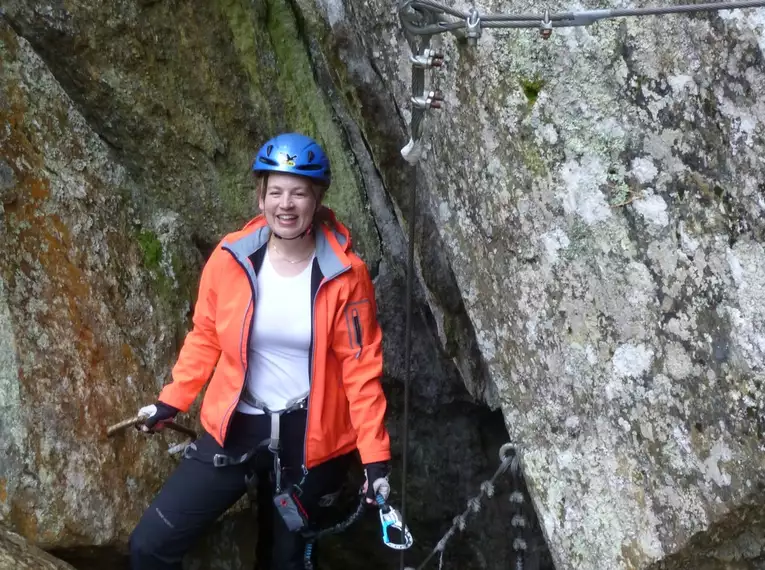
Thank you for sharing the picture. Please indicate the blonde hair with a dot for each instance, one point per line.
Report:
(322, 215)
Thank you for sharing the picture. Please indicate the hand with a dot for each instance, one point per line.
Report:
(377, 474)
(156, 415)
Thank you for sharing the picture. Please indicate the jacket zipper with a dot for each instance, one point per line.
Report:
(357, 329)
(313, 364)
(246, 362)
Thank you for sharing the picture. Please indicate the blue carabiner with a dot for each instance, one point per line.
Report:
(390, 518)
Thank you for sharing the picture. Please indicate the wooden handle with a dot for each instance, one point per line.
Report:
(181, 429)
(111, 430)
(135, 420)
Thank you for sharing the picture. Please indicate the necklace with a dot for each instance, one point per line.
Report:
(285, 258)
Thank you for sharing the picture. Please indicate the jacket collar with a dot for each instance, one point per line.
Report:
(331, 245)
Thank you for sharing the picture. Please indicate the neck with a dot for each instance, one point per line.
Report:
(293, 248)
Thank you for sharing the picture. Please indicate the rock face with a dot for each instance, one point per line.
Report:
(127, 134)
(78, 338)
(16, 553)
(591, 257)
(600, 199)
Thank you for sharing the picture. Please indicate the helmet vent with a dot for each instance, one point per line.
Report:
(269, 149)
(311, 156)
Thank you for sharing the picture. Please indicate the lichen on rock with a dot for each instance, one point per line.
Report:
(600, 239)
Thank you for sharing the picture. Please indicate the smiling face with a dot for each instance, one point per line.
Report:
(289, 204)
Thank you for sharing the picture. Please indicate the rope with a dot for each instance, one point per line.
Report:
(418, 115)
(312, 536)
(408, 346)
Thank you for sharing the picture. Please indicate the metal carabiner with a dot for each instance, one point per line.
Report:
(390, 518)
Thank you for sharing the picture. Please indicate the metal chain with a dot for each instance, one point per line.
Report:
(510, 460)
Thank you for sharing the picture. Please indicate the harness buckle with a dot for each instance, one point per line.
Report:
(220, 460)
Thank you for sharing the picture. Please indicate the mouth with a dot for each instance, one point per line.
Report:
(287, 218)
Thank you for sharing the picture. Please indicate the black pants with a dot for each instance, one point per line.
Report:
(197, 493)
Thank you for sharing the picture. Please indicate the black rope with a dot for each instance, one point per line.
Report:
(418, 115)
(408, 345)
(312, 536)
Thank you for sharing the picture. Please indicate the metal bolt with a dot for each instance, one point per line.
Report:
(473, 27)
(429, 100)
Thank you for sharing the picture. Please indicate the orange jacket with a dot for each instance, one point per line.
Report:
(346, 405)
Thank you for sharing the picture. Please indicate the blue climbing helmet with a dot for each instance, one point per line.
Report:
(293, 153)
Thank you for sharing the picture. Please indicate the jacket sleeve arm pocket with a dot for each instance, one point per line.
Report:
(358, 344)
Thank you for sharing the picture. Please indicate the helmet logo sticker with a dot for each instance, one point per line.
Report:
(290, 161)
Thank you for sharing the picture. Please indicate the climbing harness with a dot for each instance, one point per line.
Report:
(420, 21)
(287, 500)
(274, 446)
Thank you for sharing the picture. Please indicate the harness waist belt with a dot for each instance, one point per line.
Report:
(294, 404)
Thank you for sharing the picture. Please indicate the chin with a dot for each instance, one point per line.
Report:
(289, 232)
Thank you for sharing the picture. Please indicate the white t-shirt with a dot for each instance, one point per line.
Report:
(280, 339)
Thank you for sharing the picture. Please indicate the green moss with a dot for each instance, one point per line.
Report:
(172, 278)
(236, 189)
(307, 111)
(151, 248)
(531, 157)
(251, 42)
(531, 88)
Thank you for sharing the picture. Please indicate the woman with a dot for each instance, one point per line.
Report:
(285, 323)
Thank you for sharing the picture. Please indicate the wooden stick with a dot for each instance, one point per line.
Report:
(111, 430)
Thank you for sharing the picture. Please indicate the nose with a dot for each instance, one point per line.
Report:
(286, 201)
